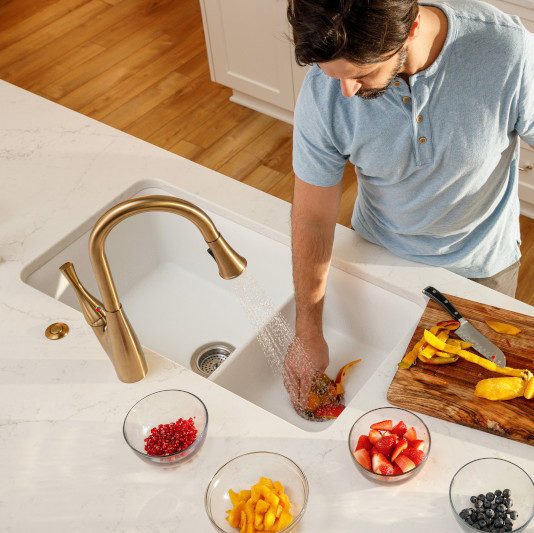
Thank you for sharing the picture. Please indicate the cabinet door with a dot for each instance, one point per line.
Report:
(250, 48)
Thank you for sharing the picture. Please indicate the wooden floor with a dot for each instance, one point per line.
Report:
(141, 66)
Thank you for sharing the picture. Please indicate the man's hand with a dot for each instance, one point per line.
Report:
(306, 357)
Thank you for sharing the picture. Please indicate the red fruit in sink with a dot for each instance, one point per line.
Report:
(417, 456)
(381, 465)
(364, 442)
(329, 411)
(386, 444)
(404, 463)
(399, 429)
(386, 425)
(417, 444)
(411, 434)
(401, 446)
(374, 436)
(363, 458)
(396, 470)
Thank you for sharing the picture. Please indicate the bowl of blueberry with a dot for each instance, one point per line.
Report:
(492, 494)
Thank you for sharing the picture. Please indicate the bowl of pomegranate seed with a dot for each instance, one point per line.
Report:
(389, 445)
(166, 427)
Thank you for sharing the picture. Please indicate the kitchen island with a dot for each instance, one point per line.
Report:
(64, 463)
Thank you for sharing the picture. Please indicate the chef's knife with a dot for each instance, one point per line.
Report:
(467, 331)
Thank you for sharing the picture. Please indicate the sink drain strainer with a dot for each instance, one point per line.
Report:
(209, 357)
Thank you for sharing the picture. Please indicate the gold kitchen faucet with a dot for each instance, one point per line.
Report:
(108, 319)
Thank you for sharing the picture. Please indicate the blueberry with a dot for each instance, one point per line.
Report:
(513, 515)
(493, 506)
(481, 497)
(482, 523)
(479, 504)
(508, 502)
(464, 514)
(508, 528)
(506, 493)
(508, 522)
(501, 508)
(487, 504)
(498, 493)
(499, 499)
(490, 496)
(499, 522)
(490, 513)
(473, 499)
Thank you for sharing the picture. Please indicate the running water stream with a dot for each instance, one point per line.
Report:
(275, 333)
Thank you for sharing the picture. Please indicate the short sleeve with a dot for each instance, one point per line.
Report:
(315, 158)
(525, 120)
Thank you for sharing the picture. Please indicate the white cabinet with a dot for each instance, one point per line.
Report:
(249, 50)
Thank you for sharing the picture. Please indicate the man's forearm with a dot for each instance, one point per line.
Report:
(312, 240)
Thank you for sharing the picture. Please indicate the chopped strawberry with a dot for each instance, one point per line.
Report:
(401, 446)
(374, 436)
(396, 470)
(381, 465)
(404, 463)
(417, 444)
(386, 425)
(417, 456)
(363, 458)
(364, 442)
(374, 451)
(399, 429)
(329, 411)
(386, 444)
(411, 434)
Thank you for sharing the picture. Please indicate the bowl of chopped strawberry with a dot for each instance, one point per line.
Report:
(389, 445)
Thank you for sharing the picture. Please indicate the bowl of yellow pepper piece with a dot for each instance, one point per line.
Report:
(257, 491)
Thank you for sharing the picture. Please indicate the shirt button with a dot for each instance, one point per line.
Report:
(396, 83)
(422, 140)
(419, 118)
(406, 99)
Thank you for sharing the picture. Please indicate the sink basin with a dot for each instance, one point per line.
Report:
(360, 320)
(176, 301)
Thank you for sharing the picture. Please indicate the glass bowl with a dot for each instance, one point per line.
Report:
(244, 471)
(488, 475)
(164, 407)
(362, 427)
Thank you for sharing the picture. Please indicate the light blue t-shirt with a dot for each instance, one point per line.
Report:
(438, 171)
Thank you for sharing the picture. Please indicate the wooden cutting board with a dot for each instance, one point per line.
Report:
(447, 391)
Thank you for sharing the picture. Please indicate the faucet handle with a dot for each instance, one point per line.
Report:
(92, 308)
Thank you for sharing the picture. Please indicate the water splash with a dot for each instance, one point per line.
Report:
(275, 334)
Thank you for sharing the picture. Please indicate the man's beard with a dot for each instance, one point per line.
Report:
(371, 94)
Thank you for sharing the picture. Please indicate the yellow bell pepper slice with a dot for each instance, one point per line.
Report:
(270, 517)
(285, 519)
(438, 360)
(500, 388)
(243, 495)
(234, 497)
(501, 327)
(529, 389)
(278, 487)
(427, 351)
(266, 481)
(261, 507)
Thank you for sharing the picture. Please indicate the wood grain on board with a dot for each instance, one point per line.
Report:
(447, 391)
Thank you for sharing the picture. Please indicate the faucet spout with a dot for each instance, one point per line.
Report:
(108, 319)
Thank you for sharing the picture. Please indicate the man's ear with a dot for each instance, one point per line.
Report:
(415, 27)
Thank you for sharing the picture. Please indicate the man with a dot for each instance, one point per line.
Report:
(428, 102)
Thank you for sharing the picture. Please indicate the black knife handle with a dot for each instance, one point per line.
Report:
(435, 295)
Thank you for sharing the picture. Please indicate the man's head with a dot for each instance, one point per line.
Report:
(363, 43)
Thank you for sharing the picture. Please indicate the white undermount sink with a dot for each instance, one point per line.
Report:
(176, 302)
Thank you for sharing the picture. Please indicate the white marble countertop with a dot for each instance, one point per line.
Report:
(63, 461)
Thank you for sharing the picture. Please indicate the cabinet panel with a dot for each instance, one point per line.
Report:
(250, 49)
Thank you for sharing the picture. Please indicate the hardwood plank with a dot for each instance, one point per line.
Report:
(283, 189)
(26, 46)
(145, 77)
(15, 12)
(263, 178)
(187, 149)
(240, 165)
(101, 84)
(103, 62)
(16, 32)
(134, 108)
(222, 150)
(77, 57)
(28, 66)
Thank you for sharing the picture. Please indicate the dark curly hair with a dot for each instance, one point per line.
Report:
(360, 31)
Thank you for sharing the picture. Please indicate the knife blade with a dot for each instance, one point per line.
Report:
(467, 331)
